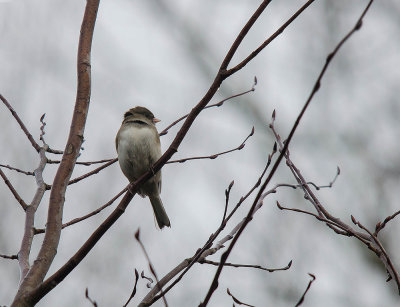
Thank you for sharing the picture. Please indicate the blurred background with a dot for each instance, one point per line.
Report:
(164, 55)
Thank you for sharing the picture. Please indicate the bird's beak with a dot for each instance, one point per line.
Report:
(156, 120)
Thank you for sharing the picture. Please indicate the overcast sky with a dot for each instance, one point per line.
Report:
(164, 55)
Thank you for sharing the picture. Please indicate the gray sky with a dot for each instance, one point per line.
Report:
(164, 55)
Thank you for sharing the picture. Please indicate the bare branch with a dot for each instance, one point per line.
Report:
(269, 40)
(236, 300)
(41, 137)
(89, 299)
(214, 156)
(153, 271)
(17, 170)
(227, 193)
(305, 292)
(21, 124)
(82, 218)
(13, 191)
(12, 257)
(218, 104)
(86, 163)
(93, 172)
(379, 226)
(255, 266)
(26, 243)
(134, 289)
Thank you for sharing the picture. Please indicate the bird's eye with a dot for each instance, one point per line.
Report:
(127, 114)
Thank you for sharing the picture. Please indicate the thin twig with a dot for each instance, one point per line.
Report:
(13, 191)
(153, 271)
(382, 252)
(134, 289)
(214, 156)
(89, 299)
(82, 218)
(183, 267)
(236, 300)
(218, 104)
(379, 226)
(85, 163)
(21, 124)
(12, 257)
(255, 266)
(93, 172)
(227, 193)
(17, 170)
(305, 292)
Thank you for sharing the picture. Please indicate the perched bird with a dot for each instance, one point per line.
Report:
(138, 147)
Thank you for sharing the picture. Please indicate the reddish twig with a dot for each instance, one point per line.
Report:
(21, 124)
(305, 292)
(17, 170)
(236, 300)
(214, 156)
(89, 299)
(227, 193)
(82, 218)
(218, 104)
(13, 191)
(134, 289)
(382, 254)
(183, 267)
(254, 266)
(153, 271)
(379, 226)
(93, 172)
(12, 257)
(86, 163)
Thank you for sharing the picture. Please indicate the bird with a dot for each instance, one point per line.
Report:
(138, 147)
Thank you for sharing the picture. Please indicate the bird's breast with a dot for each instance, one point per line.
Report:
(138, 149)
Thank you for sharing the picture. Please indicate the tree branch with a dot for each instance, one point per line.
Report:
(21, 124)
(26, 243)
(13, 191)
(49, 246)
(248, 218)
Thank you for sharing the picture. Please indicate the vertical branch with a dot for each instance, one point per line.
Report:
(49, 246)
(26, 244)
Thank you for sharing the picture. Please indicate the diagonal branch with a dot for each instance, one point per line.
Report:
(17, 170)
(270, 39)
(21, 124)
(13, 191)
(218, 104)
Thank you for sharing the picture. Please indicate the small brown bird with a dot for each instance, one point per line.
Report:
(138, 147)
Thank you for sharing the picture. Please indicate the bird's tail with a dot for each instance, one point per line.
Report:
(159, 212)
